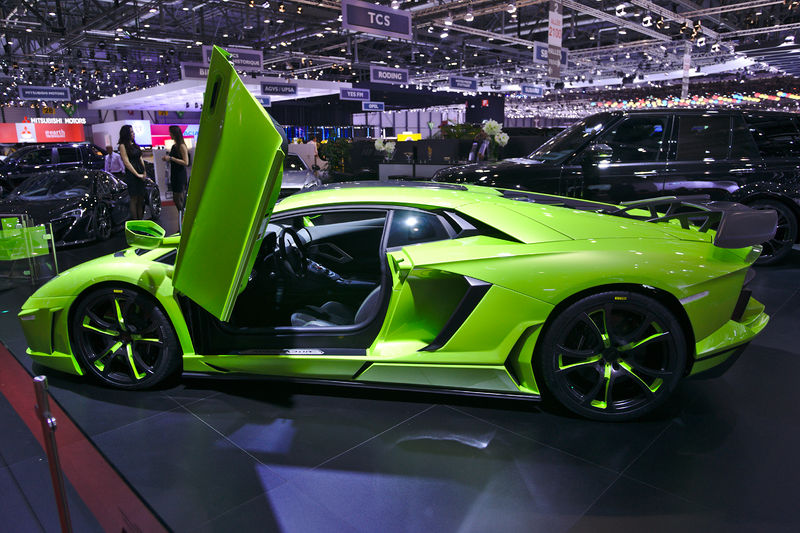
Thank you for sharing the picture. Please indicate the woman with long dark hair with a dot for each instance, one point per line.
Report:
(178, 162)
(135, 176)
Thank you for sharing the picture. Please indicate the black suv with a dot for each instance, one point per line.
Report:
(752, 157)
(36, 158)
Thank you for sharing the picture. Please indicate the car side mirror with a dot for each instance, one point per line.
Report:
(144, 234)
(599, 151)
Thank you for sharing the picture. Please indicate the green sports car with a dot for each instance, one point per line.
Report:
(601, 308)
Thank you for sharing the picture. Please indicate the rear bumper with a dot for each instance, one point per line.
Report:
(717, 352)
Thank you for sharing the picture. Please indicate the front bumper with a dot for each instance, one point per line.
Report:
(43, 321)
(717, 352)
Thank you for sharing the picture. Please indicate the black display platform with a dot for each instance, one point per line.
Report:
(212, 455)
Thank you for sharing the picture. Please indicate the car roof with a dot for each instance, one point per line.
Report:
(703, 111)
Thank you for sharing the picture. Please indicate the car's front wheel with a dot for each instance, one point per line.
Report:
(612, 356)
(103, 224)
(123, 338)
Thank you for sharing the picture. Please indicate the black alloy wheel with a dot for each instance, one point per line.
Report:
(777, 248)
(123, 338)
(612, 356)
(154, 204)
(103, 225)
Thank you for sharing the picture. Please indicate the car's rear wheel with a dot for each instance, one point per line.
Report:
(612, 356)
(777, 248)
(123, 338)
(154, 205)
(103, 224)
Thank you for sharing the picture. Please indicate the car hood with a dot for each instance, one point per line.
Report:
(474, 172)
(41, 211)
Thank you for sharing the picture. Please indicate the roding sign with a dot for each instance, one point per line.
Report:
(395, 76)
(376, 19)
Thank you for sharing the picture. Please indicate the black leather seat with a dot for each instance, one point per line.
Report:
(337, 314)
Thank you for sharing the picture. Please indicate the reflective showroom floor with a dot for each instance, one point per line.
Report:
(210, 455)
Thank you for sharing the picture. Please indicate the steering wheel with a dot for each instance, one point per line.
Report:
(292, 257)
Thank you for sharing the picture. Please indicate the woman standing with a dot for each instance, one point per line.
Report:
(135, 177)
(178, 162)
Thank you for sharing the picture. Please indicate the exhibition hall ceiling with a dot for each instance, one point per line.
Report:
(101, 48)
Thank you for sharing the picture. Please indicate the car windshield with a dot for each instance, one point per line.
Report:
(55, 186)
(572, 138)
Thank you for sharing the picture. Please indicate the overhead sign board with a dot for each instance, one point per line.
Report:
(354, 94)
(274, 87)
(540, 54)
(372, 106)
(531, 90)
(242, 58)
(194, 70)
(554, 33)
(376, 19)
(33, 92)
(396, 76)
(463, 84)
(266, 101)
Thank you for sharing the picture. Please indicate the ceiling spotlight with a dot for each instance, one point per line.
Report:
(701, 41)
(660, 23)
(444, 35)
(647, 21)
(448, 20)
(511, 7)
(621, 10)
(395, 4)
(430, 29)
(281, 8)
(715, 47)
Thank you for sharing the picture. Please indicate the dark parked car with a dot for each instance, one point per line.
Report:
(82, 205)
(29, 160)
(752, 157)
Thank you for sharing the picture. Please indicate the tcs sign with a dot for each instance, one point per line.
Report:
(380, 19)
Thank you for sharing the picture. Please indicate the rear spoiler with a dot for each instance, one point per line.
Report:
(737, 225)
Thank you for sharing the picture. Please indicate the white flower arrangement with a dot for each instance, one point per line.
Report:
(492, 127)
(501, 138)
(379, 146)
(389, 147)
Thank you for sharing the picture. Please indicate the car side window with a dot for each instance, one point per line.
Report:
(415, 227)
(742, 145)
(69, 154)
(38, 157)
(775, 136)
(635, 139)
(703, 137)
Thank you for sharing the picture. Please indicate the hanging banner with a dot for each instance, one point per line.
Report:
(531, 90)
(463, 84)
(396, 76)
(31, 92)
(376, 19)
(554, 32)
(271, 87)
(541, 54)
(26, 132)
(372, 106)
(194, 71)
(242, 58)
(354, 94)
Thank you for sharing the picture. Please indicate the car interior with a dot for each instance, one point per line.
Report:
(326, 269)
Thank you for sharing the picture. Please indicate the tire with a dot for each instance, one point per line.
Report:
(154, 203)
(123, 339)
(103, 225)
(777, 248)
(611, 370)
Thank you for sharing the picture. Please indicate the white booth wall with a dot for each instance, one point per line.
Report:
(413, 120)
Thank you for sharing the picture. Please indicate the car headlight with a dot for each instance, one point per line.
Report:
(77, 213)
